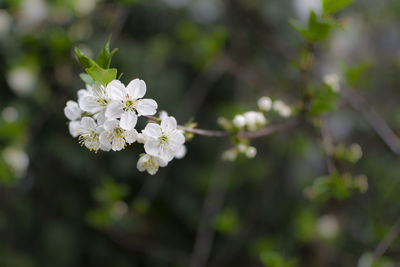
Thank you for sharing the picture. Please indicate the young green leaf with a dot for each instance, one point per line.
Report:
(333, 6)
(324, 100)
(317, 30)
(105, 56)
(85, 61)
(101, 75)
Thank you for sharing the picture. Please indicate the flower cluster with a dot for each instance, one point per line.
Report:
(251, 121)
(105, 117)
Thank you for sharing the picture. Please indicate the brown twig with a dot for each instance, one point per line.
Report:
(245, 134)
(212, 205)
(327, 144)
(358, 102)
(386, 241)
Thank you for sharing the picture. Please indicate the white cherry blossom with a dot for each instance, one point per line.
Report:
(150, 163)
(89, 133)
(128, 103)
(95, 99)
(116, 138)
(163, 140)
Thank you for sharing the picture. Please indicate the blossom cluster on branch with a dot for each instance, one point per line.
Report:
(105, 117)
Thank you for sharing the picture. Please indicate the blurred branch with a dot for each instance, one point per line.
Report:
(198, 90)
(139, 244)
(212, 205)
(359, 103)
(327, 143)
(386, 241)
(115, 28)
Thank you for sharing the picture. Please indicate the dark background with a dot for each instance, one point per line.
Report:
(61, 205)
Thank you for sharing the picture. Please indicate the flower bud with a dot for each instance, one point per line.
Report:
(239, 121)
(264, 103)
(251, 152)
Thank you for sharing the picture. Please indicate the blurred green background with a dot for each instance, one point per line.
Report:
(61, 205)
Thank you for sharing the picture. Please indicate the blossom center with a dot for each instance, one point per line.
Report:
(102, 101)
(90, 139)
(129, 104)
(118, 132)
(163, 139)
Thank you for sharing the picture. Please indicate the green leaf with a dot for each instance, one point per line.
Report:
(317, 29)
(333, 6)
(227, 221)
(323, 100)
(274, 259)
(85, 61)
(101, 75)
(105, 56)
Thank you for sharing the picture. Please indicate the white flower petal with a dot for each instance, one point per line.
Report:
(88, 123)
(167, 154)
(177, 137)
(168, 124)
(160, 162)
(141, 164)
(128, 120)
(88, 103)
(152, 130)
(114, 110)
(92, 144)
(131, 136)
(105, 141)
(82, 92)
(136, 89)
(163, 114)
(146, 107)
(180, 152)
(118, 143)
(116, 90)
(152, 147)
(110, 124)
(72, 111)
(152, 169)
(74, 127)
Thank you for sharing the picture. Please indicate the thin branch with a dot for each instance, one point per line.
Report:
(327, 144)
(270, 129)
(211, 207)
(387, 240)
(358, 102)
(245, 134)
(388, 136)
(198, 90)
